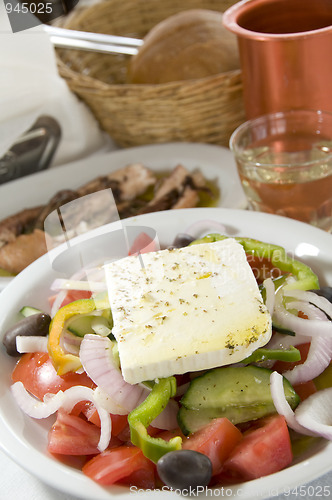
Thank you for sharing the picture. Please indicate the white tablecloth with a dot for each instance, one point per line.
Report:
(17, 484)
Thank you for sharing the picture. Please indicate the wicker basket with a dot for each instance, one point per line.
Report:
(203, 110)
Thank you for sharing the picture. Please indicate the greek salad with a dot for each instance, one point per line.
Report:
(204, 364)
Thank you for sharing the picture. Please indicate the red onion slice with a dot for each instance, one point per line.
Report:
(98, 362)
(57, 302)
(66, 400)
(319, 357)
(282, 406)
(301, 326)
(320, 352)
(33, 406)
(71, 284)
(167, 419)
(181, 389)
(62, 294)
(308, 309)
(312, 298)
(282, 341)
(70, 342)
(113, 391)
(270, 295)
(108, 403)
(315, 413)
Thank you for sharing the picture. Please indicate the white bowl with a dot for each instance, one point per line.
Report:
(25, 439)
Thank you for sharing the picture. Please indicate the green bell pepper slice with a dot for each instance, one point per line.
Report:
(261, 354)
(306, 279)
(140, 418)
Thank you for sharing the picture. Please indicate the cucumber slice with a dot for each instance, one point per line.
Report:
(107, 313)
(282, 330)
(29, 311)
(101, 326)
(240, 394)
(193, 420)
(81, 325)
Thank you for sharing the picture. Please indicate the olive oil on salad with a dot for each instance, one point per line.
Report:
(208, 197)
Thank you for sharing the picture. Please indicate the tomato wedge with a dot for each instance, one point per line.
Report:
(71, 435)
(262, 268)
(305, 389)
(38, 375)
(123, 463)
(71, 296)
(119, 422)
(216, 440)
(143, 244)
(265, 449)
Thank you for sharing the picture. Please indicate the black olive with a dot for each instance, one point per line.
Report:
(182, 240)
(325, 291)
(185, 469)
(36, 324)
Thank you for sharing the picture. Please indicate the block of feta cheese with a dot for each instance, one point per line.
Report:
(188, 309)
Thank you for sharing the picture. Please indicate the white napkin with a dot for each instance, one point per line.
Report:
(30, 86)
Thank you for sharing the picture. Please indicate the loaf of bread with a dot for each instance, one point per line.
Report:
(188, 45)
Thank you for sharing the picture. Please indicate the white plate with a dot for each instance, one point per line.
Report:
(215, 162)
(25, 439)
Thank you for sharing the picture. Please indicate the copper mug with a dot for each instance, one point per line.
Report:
(286, 53)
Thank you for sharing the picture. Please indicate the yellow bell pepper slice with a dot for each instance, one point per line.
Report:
(62, 361)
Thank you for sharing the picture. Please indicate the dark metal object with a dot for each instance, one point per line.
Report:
(24, 14)
(31, 152)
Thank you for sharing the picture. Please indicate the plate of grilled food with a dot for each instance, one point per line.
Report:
(142, 179)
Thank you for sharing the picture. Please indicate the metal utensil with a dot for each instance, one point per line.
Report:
(93, 42)
(31, 152)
